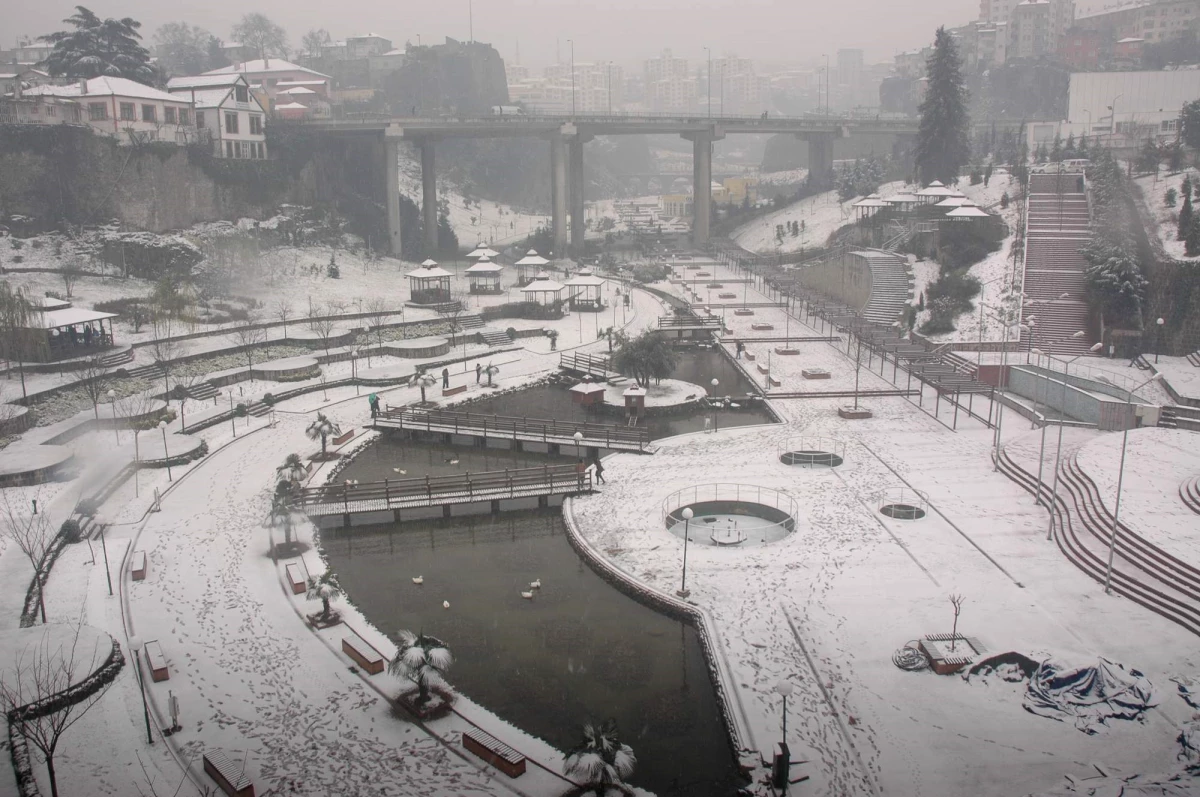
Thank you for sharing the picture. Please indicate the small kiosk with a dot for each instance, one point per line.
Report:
(484, 276)
(584, 292)
(529, 265)
(543, 290)
(587, 394)
(635, 401)
(429, 284)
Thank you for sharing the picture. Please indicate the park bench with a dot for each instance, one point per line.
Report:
(743, 311)
(762, 369)
(748, 356)
(726, 295)
(137, 565)
(703, 274)
(495, 752)
(716, 285)
(785, 351)
(815, 373)
(343, 437)
(774, 381)
(156, 661)
(363, 654)
(296, 579)
(453, 391)
(228, 774)
(761, 327)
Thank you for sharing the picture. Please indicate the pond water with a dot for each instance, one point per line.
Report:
(579, 650)
(698, 366)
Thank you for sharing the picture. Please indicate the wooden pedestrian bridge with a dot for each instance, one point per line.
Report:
(545, 435)
(393, 495)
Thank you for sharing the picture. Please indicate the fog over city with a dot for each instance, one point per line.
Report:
(786, 30)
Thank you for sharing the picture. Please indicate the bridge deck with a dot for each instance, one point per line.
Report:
(340, 499)
(529, 430)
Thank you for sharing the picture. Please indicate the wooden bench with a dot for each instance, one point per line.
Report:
(762, 369)
(296, 579)
(785, 351)
(716, 285)
(156, 661)
(774, 382)
(343, 437)
(228, 774)
(137, 565)
(453, 391)
(495, 752)
(363, 654)
(747, 355)
(703, 274)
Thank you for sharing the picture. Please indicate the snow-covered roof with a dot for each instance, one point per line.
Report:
(108, 87)
(532, 258)
(205, 98)
(1130, 40)
(291, 106)
(293, 83)
(585, 281)
(428, 272)
(967, 212)
(952, 202)
(901, 199)
(543, 284)
(52, 319)
(203, 81)
(298, 90)
(870, 202)
(935, 190)
(483, 251)
(49, 303)
(589, 387)
(485, 266)
(259, 65)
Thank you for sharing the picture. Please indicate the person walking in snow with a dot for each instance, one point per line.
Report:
(599, 470)
(445, 378)
(478, 372)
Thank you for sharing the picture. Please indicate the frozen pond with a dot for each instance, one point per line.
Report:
(580, 649)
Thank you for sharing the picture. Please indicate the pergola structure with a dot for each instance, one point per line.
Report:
(70, 332)
(934, 193)
(584, 292)
(869, 206)
(484, 276)
(902, 202)
(532, 263)
(429, 284)
(543, 290)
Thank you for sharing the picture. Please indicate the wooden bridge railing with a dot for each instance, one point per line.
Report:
(486, 485)
(500, 426)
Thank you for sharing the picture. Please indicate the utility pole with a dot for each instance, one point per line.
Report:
(572, 43)
(471, 20)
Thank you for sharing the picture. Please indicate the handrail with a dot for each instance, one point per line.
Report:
(500, 423)
(439, 486)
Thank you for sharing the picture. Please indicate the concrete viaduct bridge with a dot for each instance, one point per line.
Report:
(568, 134)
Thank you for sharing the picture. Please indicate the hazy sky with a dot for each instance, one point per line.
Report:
(620, 30)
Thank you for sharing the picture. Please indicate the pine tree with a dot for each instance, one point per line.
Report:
(97, 47)
(1185, 212)
(1191, 242)
(942, 144)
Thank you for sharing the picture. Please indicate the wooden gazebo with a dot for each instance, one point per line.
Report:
(69, 332)
(429, 284)
(484, 276)
(543, 290)
(531, 264)
(584, 292)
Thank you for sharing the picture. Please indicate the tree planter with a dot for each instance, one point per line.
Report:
(852, 413)
(314, 619)
(439, 704)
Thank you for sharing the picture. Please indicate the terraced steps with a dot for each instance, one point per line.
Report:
(495, 338)
(1189, 491)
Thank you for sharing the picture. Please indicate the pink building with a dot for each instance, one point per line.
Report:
(274, 75)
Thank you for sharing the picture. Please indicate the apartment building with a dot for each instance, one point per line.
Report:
(226, 108)
(130, 111)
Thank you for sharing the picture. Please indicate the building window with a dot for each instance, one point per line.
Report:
(241, 94)
(1170, 125)
(148, 114)
(183, 116)
(127, 112)
(255, 125)
(228, 149)
(97, 111)
(199, 118)
(52, 110)
(169, 115)
(231, 123)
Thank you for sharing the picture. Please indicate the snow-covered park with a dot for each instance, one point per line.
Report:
(824, 610)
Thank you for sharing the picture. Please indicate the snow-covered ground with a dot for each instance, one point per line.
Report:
(1153, 191)
(823, 609)
(822, 215)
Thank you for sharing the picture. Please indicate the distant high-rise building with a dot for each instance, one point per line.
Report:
(1056, 18)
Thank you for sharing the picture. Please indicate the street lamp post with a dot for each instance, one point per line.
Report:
(1158, 345)
(354, 370)
(715, 383)
(1058, 452)
(1112, 537)
(784, 690)
(162, 425)
(1046, 405)
(135, 644)
(112, 404)
(572, 43)
(687, 520)
(578, 436)
(1113, 110)
(708, 80)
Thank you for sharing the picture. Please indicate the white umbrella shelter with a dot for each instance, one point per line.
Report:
(429, 284)
(530, 264)
(543, 290)
(484, 276)
(584, 292)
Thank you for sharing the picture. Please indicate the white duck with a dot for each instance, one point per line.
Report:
(418, 580)
(535, 584)
(527, 596)
(445, 604)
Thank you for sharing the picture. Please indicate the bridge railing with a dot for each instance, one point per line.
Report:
(591, 363)
(486, 485)
(688, 321)
(813, 120)
(546, 430)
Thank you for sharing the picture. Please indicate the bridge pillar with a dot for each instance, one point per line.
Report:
(575, 185)
(391, 176)
(701, 187)
(820, 159)
(429, 208)
(558, 194)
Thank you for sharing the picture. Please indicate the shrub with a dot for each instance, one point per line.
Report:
(511, 332)
(70, 530)
(1170, 198)
(240, 410)
(269, 400)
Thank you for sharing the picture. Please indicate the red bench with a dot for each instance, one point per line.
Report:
(343, 437)
(495, 752)
(453, 391)
(774, 381)
(156, 661)
(296, 579)
(762, 369)
(228, 774)
(363, 654)
(137, 566)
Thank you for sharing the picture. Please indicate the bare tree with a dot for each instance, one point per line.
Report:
(956, 601)
(163, 349)
(283, 311)
(377, 313)
(70, 276)
(93, 379)
(324, 326)
(32, 535)
(247, 337)
(183, 391)
(33, 691)
(19, 339)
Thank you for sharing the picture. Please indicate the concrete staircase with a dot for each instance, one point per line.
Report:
(492, 338)
(202, 391)
(152, 371)
(891, 286)
(1194, 358)
(1057, 224)
(472, 321)
(117, 358)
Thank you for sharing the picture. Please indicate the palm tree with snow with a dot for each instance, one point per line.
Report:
(424, 380)
(600, 760)
(491, 370)
(422, 659)
(322, 428)
(324, 589)
(283, 509)
(292, 470)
